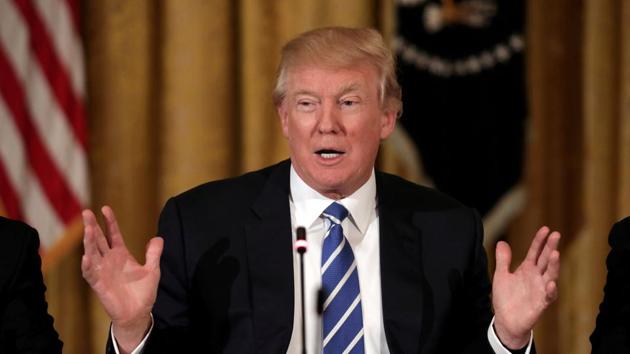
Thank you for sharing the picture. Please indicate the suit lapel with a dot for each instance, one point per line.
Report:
(402, 280)
(270, 259)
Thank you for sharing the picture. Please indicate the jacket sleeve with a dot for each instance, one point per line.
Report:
(612, 329)
(26, 326)
(171, 311)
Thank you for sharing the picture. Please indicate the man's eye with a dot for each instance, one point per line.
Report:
(349, 103)
(305, 106)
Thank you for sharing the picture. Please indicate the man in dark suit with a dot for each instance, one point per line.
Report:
(612, 330)
(25, 325)
(408, 268)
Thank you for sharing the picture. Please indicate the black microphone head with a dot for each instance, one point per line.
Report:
(300, 242)
(301, 233)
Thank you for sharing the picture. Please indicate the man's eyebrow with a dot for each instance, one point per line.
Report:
(349, 88)
(304, 92)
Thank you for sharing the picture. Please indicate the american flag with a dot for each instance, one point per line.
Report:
(43, 133)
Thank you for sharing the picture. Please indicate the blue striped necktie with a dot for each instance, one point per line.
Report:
(342, 317)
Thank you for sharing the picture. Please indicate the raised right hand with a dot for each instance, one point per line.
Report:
(126, 288)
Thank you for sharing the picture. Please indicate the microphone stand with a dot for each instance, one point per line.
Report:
(300, 246)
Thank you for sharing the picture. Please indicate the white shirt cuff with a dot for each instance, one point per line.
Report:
(140, 346)
(496, 344)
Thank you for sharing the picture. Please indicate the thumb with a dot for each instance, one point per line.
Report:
(154, 251)
(503, 256)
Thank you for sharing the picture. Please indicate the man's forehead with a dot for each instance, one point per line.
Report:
(313, 80)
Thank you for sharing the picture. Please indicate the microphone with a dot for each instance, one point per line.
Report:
(320, 301)
(300, 243)
(300, 247)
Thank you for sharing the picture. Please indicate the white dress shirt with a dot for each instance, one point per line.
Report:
(361, 229)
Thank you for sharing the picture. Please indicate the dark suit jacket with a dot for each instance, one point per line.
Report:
(227, 278)
(25, 326)
(612, 330)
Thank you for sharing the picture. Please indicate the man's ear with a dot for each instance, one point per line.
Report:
(388, 123)
(284, 118)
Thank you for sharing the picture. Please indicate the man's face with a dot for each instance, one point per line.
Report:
(334, 123)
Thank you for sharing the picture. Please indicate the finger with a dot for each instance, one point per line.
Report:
(87, 269)
(552, 291)
(85, 265)
(503, 257)
(537, 244)
(553, 269)
(551, 245)
(89, 243)
(101, 243)
(154, 251)
(89, 220)
(115, 237)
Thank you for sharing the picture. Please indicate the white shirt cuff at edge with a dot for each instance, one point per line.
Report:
(496, 344)
(140, 346)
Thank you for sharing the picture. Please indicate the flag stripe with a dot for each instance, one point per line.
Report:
(12, 162)
(14, 36)
(57, 19)
(9, 198)
(73, 6)
(55, 187)
(40, 212)
(51, 66)
(57, 136)
(22, 191)
(53, 128)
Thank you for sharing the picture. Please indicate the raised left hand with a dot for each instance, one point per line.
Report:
(519, 298)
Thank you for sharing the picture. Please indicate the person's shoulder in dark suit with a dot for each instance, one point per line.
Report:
(25, 325)
(612, 329)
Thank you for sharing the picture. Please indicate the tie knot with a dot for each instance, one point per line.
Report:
(336, 212)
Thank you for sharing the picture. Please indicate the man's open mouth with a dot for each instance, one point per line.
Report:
(328, 153)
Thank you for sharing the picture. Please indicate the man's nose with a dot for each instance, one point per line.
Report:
(329, 120)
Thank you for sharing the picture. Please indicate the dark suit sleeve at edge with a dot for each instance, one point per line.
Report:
(26, 325)
(478, 289)
(612, 330)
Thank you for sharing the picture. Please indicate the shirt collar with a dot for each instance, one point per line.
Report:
(309, 204)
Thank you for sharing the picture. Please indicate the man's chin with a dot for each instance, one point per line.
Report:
(338, 187)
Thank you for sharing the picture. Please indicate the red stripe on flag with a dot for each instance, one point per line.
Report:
(58, 78)
(54, 185)
(73, 6)
(9, 197)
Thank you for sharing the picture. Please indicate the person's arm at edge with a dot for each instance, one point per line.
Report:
(612, 326)
(29, 290)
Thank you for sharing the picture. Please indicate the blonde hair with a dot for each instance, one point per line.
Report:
(341, 47)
